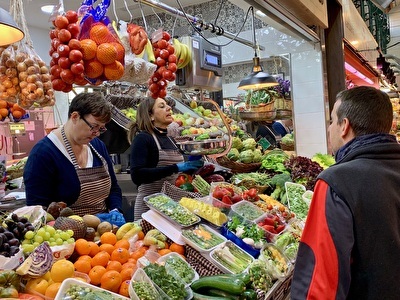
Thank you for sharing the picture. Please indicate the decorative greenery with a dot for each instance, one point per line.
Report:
(283, 89)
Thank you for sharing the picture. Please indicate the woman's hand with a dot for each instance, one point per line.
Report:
(189, 165)
(113, 217)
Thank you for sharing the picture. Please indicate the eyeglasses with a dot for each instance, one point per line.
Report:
(94, 129)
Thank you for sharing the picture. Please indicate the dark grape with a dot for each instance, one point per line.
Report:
(23, 220)
(9, 235)
(13, 242)
(2, 229)
(16, 233)
(30, 227)
(15, 217)
(6, 247)
(10, 224)
(5, 253)
(20, 226)
(14, 250)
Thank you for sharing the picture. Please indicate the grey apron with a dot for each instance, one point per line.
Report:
(95, 184)
(167, 157)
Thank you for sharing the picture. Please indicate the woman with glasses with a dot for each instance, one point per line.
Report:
(72, 165)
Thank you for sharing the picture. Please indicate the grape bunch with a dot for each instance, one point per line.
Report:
(47, 233)
(12, 234)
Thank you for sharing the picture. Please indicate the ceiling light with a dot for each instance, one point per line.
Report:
(257, 79)
(47, 9)
(353, 70)
(9, 31)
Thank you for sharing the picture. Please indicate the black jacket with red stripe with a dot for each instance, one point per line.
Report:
(350, 247)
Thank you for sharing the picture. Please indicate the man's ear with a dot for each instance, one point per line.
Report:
(346, 129)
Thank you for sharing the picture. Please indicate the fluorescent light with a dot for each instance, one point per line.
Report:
(47, 9)
(353, 70)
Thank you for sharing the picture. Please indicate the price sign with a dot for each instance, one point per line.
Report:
(17, 128)
(264, 143)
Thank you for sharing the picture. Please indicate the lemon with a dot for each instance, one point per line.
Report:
(62, 269)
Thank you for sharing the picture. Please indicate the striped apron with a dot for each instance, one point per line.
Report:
(167, 157)
(95, 184)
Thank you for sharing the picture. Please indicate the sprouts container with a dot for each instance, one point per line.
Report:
(141, 279)
(202, 237)
(180, 266)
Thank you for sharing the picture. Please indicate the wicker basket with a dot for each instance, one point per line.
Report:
(176, 193)
(286, 147)
(249, 184)
(237, 167)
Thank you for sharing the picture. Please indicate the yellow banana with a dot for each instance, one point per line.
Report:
(188, 57)
(124, 229)
(134, 230)
(177, 47)
(149, 52)
(182, 56)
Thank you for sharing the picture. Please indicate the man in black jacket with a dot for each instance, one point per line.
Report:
(350, 247)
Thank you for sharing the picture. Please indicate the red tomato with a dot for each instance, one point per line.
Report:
(226, 199)
(162, 44)
(64, 35)
(172, 67)
(72, 16)
(61, 22)
(77, 68)
(67, 76)
(162, 93)
(160, 61)
(63, 50)
(171, 49)
(75, 55)
(154, 88)
(64, 62)
(166, 36)
(164, 54)
(74, 29)
(74, 44)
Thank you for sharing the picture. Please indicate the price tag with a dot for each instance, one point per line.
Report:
(264, 143)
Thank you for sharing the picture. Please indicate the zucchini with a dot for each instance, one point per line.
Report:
(220, 293)
(244, 276)
(197, 296)
(230, 284)
(248, 294)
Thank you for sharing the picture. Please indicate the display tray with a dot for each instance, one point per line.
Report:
(205, 147)
(171, 210)
(202, 238)
(159, 222)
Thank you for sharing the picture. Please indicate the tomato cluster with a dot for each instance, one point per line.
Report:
(226, 194)
(251, 195)
(166, 66)
(66, 64)
(272, 223)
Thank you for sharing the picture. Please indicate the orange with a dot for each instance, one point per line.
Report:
(127, 273)
(3, 104)
(114, 71)
(121, 255)
(120, 51)
(140, 235)
(89, 49)
(17, 114)
(123, 244)
(111, 280)
(85, 257)
(174, 247)
(94, 249)
(93, 68)
(101, 34)
(106, 53)
(3, 112)
(114, 265)
(52, 290)
(129, 265)
(95, 274)
(82, 247)
(164, 251)
(62, 269)
(100, 259)
(131, 260)
(107, 247)
(83, 266)
(124, 288)
(108, 238)
(138, 253)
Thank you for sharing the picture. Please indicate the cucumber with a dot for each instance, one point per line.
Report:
(248, 294)
(197, 296)
(244, 276)
(230, 284)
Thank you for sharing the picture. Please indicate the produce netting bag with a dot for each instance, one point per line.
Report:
(98, 36)
(9, 83)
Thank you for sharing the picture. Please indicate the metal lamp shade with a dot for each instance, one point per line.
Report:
(9, 31)
(257, 79)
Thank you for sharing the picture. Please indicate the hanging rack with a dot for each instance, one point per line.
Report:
(198, 22)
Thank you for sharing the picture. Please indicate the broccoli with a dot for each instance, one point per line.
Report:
(278, 181)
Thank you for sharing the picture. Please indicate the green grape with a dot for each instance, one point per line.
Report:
(71, 240)
(35, 244)
(70, 232)
(51, 230)
(51, 240)
(38, 238)
(41, 232)
(52, 244)
(59, 241)
(56, 236)
(46, 236)
(28, 248)
(65, 243)
(29, 235)
(25, 241)
(64, 235)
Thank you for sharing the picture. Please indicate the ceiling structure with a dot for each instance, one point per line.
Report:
(118, 11)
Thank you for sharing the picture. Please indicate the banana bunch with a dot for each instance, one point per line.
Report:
(128, 230)
(156, 238)
(183, 54)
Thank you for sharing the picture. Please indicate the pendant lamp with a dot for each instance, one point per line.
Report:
(9, 31)
(257, 79)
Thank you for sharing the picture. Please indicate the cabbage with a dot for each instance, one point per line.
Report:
(246, 156)
(288, 139)
(233, 154)
(257, 155)
(249, 144)
(237, 143)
